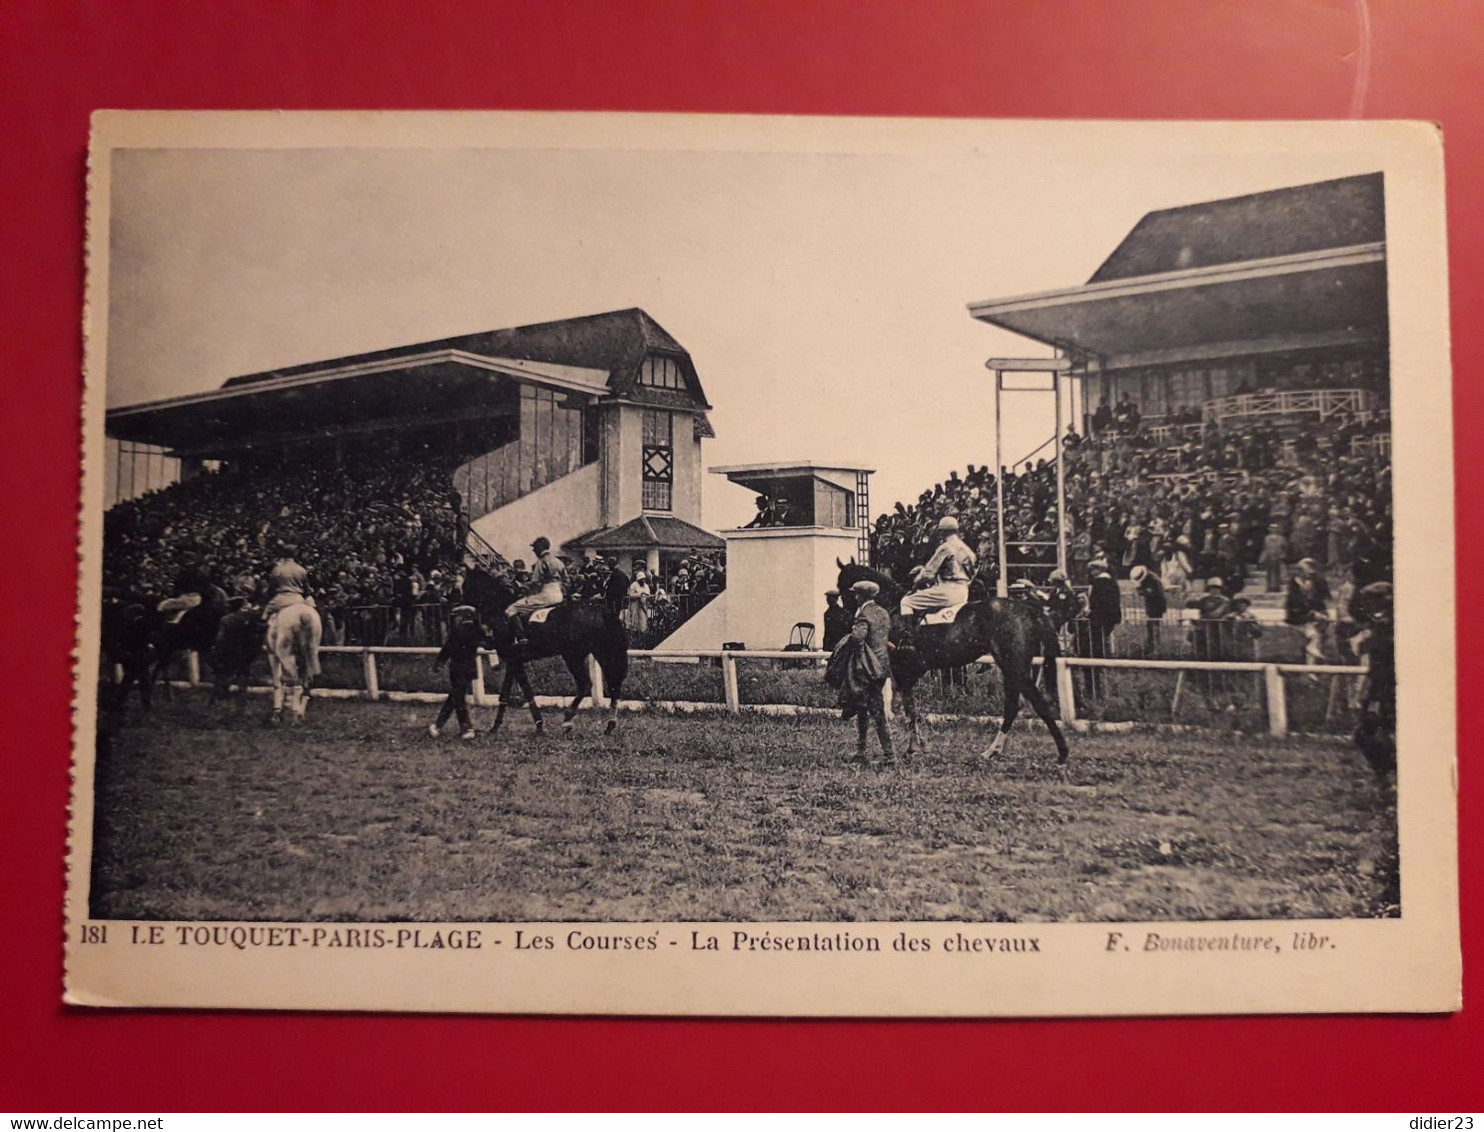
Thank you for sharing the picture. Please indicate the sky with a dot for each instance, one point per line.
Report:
(822, 295)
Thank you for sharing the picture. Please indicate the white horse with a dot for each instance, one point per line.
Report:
(293, 656)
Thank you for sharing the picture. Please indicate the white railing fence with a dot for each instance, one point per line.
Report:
(1323, 402)
(1275, 698)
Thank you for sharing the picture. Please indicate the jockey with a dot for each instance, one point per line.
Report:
(548, 577)
(943, 581)
(289, 582)
(192, 585)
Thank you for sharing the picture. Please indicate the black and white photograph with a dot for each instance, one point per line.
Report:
(766, 565)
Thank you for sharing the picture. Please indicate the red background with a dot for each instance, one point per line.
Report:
(59, 61)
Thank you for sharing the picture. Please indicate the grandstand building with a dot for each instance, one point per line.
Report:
(1269, 307)
(587, 430)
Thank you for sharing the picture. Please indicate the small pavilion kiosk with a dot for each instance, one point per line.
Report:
(781, 563)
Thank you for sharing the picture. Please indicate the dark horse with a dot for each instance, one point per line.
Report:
(574, 631)
(1012, 632)
(195, 631)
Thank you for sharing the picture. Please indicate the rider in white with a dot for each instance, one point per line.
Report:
(944, 581)
(289, 582)
(548, 576)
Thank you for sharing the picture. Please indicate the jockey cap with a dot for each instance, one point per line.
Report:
(947, 523)
(541, 543)
(831, 593)
(1057, 575)
(866, 588)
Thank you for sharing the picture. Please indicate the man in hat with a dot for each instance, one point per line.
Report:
(548, 576)
(1274, 554)
(870, 665)
(1213, 610)
(615, 587)
(461, 650)
(1062, 603)
(1148, 586)
(943, 581)
(1307, 607)
(1104, 607)
(837, 620)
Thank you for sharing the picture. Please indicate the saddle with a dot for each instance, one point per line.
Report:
(943, 616)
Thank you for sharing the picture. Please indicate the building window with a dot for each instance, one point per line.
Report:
(659, 460)
(661, 373)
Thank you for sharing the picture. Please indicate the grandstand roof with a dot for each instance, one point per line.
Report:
(1281, 222)
(596, 355)
(662, 532)
(1296, 267)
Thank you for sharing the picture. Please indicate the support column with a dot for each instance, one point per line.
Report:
(1061, 475)
(1001, 583)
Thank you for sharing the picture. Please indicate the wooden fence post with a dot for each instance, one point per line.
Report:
(595, 674)
(368, 670)
(729, 682)
(1066, 693)
(1277, 701)
(480, 699)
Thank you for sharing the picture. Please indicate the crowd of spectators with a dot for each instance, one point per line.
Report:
(1190, 502)
(374, 531)
(381, 537)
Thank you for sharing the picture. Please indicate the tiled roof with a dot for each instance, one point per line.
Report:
(664, 532)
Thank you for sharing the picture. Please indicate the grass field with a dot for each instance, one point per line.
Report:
(358, 815)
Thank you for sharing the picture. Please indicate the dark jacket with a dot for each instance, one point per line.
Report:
(1153, 593)
(1213, 605)
(460, 649)
(1104, 604)
(1304, 602)
(871, 630)
(837, 624)
(616, 590)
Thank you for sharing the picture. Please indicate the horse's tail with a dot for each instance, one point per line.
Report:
(306, 648)
(612, 654)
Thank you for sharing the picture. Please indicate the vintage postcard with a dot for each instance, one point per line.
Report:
(617, 564)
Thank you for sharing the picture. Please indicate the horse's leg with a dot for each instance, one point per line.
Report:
(615, 666)
(162, 668)
(277, 674)
(1042, 707)
(525, 686)
(1012, 709)
(505, 682)
(905, 687)
(577, 666)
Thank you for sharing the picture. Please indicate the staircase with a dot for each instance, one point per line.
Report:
(482, 554)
